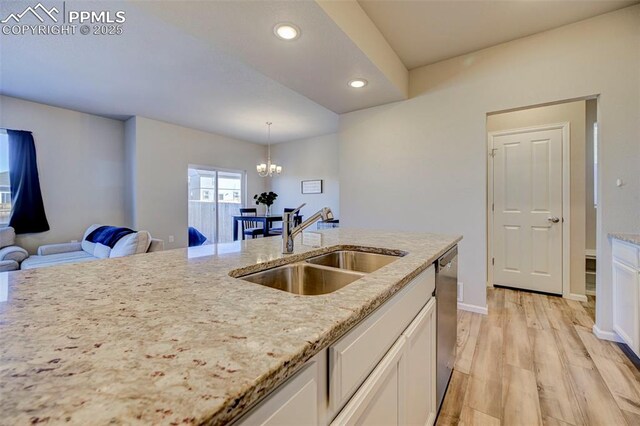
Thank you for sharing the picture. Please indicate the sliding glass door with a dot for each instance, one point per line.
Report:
(215, 196)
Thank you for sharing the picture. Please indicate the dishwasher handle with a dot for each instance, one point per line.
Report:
(446, 259)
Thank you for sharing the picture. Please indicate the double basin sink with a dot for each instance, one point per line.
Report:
(321, 274)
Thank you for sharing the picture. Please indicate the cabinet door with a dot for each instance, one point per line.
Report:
(420, 367)
(380, 399)
(625, 305)
(295, 403)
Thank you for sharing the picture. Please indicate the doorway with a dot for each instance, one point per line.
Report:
(538, 182)
(215, 196)
(591, 207)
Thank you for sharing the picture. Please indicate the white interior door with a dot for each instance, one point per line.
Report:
(527, 220)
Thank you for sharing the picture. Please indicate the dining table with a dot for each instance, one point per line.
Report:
(265, 220)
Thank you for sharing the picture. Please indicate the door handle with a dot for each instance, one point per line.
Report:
(553, 219)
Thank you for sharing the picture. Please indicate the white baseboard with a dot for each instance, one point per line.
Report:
(578, 297)
(606, 335)
(473, 308)
(590, 292)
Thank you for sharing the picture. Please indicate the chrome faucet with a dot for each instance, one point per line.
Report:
(289, 232)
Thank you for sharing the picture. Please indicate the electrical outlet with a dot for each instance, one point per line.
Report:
(460, 292)
(171, 238)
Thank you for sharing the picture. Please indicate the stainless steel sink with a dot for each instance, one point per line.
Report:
(304, 278)
(353, 260)
(321, 274)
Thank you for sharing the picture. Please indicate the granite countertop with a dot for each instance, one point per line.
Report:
(629, 238)
(170, 337)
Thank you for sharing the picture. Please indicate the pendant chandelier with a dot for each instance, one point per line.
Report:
(268, 169)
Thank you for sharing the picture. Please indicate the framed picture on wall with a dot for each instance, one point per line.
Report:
(312, 186)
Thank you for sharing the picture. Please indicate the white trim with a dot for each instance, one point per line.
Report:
(566, 213)
(606, 335)
(578, 297)
(490, 209)
(566, 200)
(590, 253)
(473, 308)
(590, 292)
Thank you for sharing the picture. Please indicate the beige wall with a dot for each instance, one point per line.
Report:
(427, 155)
(315, 158)
(590, 210)
(158, 174)
(134, 173)
(574, 113)
(80, 163)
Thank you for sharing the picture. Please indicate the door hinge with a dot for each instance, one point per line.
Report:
(492, 153)
(493, 260)
(493, 207)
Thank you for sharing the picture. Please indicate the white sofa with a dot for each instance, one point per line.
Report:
(86, 251)
(10, 255)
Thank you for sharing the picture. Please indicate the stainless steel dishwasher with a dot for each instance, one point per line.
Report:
(446, 293)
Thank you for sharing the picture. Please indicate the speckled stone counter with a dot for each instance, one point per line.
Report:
(170, 337)
(629, 238)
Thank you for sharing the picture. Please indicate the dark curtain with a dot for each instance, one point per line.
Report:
(27, 208)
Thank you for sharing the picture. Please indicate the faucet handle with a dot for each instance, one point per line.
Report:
(293, 213)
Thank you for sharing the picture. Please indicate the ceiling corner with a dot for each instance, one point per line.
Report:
(356, 24)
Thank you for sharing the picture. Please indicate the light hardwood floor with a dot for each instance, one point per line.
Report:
(534, 360)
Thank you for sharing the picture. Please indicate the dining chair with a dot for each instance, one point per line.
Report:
(250, 228)
(297, 220)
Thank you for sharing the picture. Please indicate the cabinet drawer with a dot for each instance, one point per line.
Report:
(625, 253)
(355, 355)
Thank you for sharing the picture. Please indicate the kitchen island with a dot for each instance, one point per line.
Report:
(171, 337)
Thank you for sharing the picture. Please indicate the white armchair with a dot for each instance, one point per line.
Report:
(10, 255)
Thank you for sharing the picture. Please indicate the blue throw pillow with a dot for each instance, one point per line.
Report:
(195, 237)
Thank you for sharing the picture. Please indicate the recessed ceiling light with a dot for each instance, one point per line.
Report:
(358, 83)
(286, 31)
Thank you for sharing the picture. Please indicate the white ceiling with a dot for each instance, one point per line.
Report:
(216, 65)
(318, 65)
(210, 65)
(428, 31)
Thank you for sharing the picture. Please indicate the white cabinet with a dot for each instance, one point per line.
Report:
(401, 390)
(420, 367)
(354, 356)
(381, 372)
(626, 296)
(380, 399)
(296, 403)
